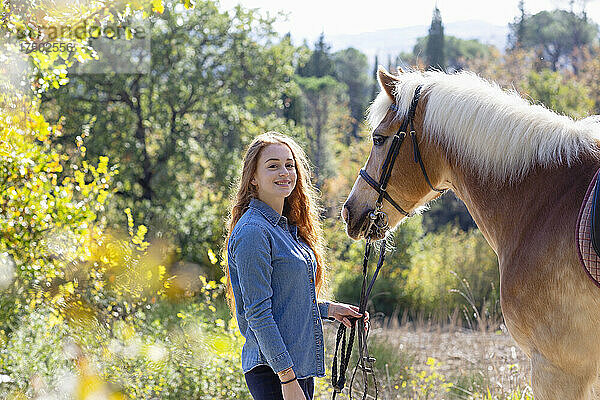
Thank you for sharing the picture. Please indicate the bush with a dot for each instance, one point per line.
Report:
(388, 294)
(453, 269)
(563, 95)
(34, 356)
(168, 351)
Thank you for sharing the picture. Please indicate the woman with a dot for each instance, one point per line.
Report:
(275, 270)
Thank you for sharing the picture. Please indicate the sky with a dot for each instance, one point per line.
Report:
(308, 18)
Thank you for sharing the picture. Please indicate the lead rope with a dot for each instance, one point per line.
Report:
(365, 362)
(378, 219)
(345, 352)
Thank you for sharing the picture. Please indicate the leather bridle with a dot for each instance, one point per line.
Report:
(378, 217)
(378, 220)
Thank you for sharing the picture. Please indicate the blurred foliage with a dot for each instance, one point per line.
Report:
(559, 93)
(431, 275)
(389, 295)
(29, 65)
(326, 114)
(588, 70)
(557, 36)
(351, 69)
(320, 62)
(48, 219)
(70, 284)
(445, 210)
(442, 261)
(457, 52)
(324, 101)
(169, 350)
(216, 83)
(460, 51)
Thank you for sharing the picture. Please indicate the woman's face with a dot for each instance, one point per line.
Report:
(275, 175)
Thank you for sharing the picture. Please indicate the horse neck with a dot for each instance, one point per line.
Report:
(508, 213)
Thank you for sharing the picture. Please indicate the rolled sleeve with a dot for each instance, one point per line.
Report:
(324, 309)
(252, 252)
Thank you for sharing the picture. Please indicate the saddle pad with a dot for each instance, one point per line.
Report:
(588, 257)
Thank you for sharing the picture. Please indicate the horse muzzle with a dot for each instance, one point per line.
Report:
(370, 224)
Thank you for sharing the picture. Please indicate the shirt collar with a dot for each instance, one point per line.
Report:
(271, 215)
(294, 230)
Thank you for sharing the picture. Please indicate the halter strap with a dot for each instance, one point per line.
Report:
(390, 159)
(420, 161)
(386, 196)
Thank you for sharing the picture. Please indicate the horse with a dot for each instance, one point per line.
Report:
(522, 171)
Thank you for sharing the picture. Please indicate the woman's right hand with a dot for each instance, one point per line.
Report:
(292, 391)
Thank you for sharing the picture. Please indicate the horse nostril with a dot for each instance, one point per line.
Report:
(345, 213)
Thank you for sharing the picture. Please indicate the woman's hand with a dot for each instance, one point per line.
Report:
(292, 391)
(340, 312)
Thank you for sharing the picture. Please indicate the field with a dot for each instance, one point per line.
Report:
(419, 362)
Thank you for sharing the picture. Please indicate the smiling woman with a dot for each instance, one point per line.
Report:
(275, 270)
(275, 175)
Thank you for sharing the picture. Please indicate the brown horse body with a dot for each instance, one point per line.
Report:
(550, 306)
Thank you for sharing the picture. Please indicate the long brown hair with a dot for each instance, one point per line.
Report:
(300, 207)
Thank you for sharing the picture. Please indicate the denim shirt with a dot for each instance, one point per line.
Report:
(272, 274)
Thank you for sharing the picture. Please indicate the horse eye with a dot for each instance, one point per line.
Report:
(378, 140)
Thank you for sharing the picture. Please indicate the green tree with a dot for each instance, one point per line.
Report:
(292, 98)
(56, 256)
(351, 69)
(73, 294)
(43, 203)
(320, 62)
(293, 105)
(53, 202)
(563, 95)
(178, 132)
(375, 85)
(434, 51)
(458, 51)
(517, 28)
(556, 35)
(324, 101)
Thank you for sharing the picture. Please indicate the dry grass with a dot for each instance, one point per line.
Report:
(474, 361)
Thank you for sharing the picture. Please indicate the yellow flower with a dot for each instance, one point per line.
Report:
(212, 257)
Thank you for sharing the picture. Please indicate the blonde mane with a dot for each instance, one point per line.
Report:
(494, 132)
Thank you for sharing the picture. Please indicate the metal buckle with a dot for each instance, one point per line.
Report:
(367, 365)
(378, 220)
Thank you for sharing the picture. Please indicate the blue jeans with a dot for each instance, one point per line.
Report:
(264, 384)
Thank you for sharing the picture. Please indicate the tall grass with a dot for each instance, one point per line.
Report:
(425, 360)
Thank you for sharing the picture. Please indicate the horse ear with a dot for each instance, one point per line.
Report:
(400, 71)
(387, 81)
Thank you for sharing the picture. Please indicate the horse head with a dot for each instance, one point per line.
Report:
(416, 172)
